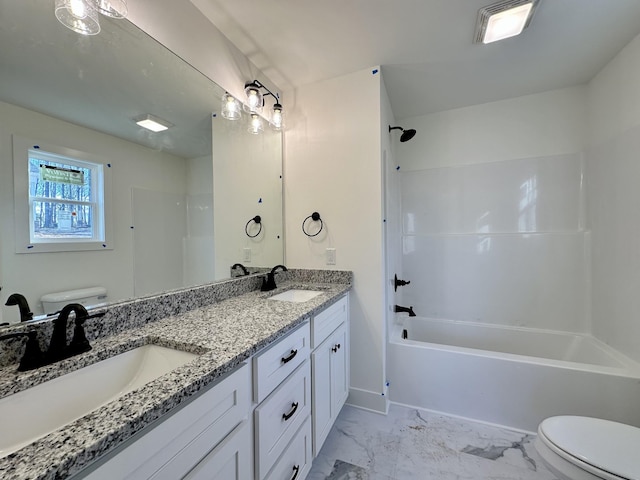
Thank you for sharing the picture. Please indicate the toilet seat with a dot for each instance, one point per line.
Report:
(605, 449)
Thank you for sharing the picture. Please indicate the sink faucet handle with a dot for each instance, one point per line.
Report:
(33, 356)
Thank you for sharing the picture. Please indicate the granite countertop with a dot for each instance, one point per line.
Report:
(223, 335)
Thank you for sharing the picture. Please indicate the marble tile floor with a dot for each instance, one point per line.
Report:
(416, 444)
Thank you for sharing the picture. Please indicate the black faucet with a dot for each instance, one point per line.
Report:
(32, 357)
(409, 310)
(23, 305)
(58, 348)
(269, 282)
(242, 267)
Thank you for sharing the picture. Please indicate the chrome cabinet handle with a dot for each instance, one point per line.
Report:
(290, 357)
(287, 416)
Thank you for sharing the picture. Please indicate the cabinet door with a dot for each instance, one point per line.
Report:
(230, 460)
(339, 370)
(330, 385)
(321, 394)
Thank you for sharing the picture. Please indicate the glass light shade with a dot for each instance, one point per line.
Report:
(508, 23)
(254, 98)
(255, 124)
(277, 117)
(113, 8)
(231, 109)
(81, 16)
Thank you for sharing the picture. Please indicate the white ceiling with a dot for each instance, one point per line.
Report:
(425, 47)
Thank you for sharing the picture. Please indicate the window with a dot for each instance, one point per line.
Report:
(60, 198)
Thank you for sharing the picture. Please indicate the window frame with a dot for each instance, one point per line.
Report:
(23, 202)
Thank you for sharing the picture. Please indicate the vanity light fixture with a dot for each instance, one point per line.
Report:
(504, 19)
(82, 16)
(153, 123)
(255, 103)
(255, 124)
(231, 109)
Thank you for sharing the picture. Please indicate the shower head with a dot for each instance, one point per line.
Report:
(406, 134)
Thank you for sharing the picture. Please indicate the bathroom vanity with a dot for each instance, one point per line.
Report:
(257, 402)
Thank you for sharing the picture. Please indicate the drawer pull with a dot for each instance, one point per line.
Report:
(287, 416)
(290, 357)
(335, 348)
(296, 469)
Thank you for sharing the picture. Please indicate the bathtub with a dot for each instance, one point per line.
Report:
(509, 376)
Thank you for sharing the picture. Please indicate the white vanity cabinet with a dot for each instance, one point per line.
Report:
(330, 368)
(210, 437)
(265, 421)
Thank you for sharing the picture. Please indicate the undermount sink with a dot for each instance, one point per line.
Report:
(296, 295)
(42, 409)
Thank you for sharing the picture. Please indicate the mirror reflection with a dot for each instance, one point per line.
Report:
(176, 202)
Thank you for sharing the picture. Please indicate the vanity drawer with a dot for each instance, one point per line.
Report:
(275, 364)
(296, 459)
(178, 442)
(328, 320)
(279, 417)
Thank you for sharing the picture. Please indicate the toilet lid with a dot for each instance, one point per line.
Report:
(606, 445)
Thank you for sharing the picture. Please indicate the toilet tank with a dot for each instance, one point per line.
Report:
(53, 302)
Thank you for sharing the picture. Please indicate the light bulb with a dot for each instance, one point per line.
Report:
(78, 8)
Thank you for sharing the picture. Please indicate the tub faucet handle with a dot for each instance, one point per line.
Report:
(399, 283)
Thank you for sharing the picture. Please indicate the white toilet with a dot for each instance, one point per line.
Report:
(54, 302)
(584, 448)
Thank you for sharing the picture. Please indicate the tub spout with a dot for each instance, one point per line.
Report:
(408, 310)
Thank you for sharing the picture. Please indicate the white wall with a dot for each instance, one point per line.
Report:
(549, 123)
(247, 180)
(492, 213)
(613, 171)
(198, 244)
(333, 166)
(132, 165)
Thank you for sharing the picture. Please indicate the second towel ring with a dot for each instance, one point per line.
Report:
(315, 216)
(257, 220)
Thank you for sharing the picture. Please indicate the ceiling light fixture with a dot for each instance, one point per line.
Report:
(255, 103)
(82, 16)
(153, 123)
(504, 19)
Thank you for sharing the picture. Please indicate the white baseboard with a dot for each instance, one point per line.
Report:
(368, 400)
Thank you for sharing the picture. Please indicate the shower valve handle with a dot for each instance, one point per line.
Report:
(399, 283)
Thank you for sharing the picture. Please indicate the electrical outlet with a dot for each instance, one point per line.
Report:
(331, 256)
(246, 255)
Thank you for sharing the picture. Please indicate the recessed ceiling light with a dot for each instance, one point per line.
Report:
(153, 123)
(503, 20)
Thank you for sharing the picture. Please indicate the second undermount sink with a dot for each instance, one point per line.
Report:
(42, 409)
(296, 295)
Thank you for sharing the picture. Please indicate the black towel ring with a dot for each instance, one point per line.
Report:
(257, 220)
(315, 216)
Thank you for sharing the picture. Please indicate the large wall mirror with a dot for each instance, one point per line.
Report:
(181, 199)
